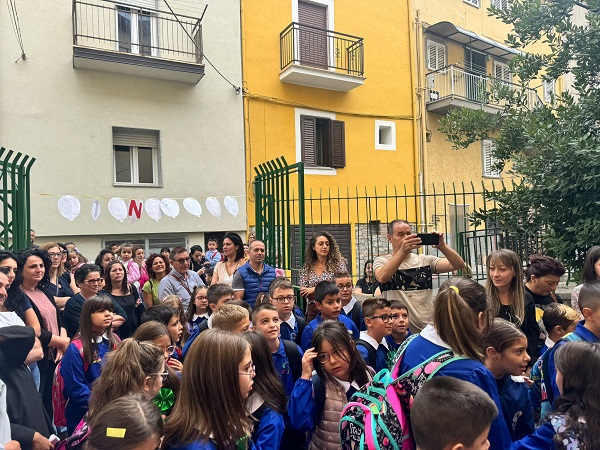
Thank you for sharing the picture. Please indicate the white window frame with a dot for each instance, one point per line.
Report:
(507, 77)
(379, 124)
(439, 47)
(549, 90)
(475, 3)
(488, 160)
(501, 4)
(298, 129)
(135, 36)
(134, 162)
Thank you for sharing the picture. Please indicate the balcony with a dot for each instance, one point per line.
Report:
(125, 39)
(455, 87)
(321, 58)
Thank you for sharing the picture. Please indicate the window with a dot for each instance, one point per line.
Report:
(472, 2)
(136, 159)
(385, 135)
(436, 55)
(322, 142)
(151, 243)
(488, 159)
(549, 91)
(501, 4)
(502, 71)
(136, 31)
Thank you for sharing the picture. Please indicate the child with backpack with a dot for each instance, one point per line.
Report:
(372, 345)
(81, 364)
(341, 371)
(282, 296)
(266, 403)
(506, 357)
(575, 422)
(287, 356)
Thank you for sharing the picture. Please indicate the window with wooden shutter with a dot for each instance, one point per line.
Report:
(436, 55)
(323, 142)
(488, 160)
(549, 91)
(501, 4)
(472, 2)
(338, 144)
(308, 130)
(502, 71)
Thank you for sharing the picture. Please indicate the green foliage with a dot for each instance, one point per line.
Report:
(554, 148)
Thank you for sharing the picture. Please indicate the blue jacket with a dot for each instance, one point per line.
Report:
(255, 283)
(205, 445)
(268, 434)
(380, 356)
(585, 335)
(421, 349)
(392, 343)
(286, 332)
(312, 326)
(195, 333)
(282, 366)
(302, 408)
(73, 311)
(541, 439)
(516, 407)
(78, 383)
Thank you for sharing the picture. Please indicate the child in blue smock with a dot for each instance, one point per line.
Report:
(506, 357)
(460, 317)
(81, 363)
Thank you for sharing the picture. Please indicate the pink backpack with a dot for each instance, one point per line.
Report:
(59, 402)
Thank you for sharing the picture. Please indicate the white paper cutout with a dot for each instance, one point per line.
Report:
(96, 209)
(231, 205)
(134, 211)
(214, 207)
(192, 206)
(169, 207)
(152, 207)
(117, 208)
(69, 207)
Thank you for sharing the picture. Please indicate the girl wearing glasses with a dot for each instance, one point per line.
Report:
(198, 310)
(210, 413)
(61, 285)
(341, 371)
(81, 364)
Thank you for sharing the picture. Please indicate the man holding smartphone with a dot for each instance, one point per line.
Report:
(407, 276)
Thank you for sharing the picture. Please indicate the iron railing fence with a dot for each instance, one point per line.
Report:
(457, 82)
(105, 25)
(323, 49)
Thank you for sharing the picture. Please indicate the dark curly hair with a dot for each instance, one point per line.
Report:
(333, 258)
(22, 258)
(150, 261)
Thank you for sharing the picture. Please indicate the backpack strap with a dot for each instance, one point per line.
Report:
(569, 337)
(355, 313)
(77, 343)
(258, 414)
(319, 391)
(395, 373)
(301, 322)
(294, 358)
(372, 351)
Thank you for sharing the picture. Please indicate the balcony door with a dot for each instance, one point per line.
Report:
(312, 18)
(475, 75)
(136, 31)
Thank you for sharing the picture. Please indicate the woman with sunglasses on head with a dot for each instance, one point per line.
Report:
(62, 284)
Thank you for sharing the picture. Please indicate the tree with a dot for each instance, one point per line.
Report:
(554, 147)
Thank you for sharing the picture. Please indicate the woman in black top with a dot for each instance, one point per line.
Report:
(542, 277)
(367, 284)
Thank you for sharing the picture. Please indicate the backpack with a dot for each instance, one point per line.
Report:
(355, 313)
(377, 417)
(545, 386)
(294, 358)
(77, 439)
(301, 322)
(372, 352)
(59, 402)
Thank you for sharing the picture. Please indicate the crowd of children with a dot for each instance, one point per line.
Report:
(219, 374)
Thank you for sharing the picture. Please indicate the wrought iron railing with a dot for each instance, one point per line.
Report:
(107, 25)
(457, 82)
(323, 49)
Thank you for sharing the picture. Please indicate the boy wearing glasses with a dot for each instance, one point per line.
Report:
(292, 324)
(351, 308)
(372, 344)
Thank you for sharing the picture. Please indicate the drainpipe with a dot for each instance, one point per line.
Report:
(246, 112)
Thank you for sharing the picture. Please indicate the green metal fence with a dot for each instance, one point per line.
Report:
(15, 221)
(287, 214)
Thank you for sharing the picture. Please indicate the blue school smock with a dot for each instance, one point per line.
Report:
(77, 383)
(541, 439)
(270, 430)
(292, 334)
(392, 343)
(312, 326)
(516, 407)
(282, 366)
(302, 407)
(205, 445)
(585, 335)
(421, 349)
(381, 352)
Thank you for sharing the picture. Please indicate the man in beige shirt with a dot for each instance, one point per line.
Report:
(407, 276)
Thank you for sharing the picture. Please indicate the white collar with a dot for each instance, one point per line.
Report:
(347, 385)
(253, 403)
(432, 336)
(291, 321)
(98, 339)
(365, 337)
(205, 315)
(349, 306)
(549, 342)
(209, 322)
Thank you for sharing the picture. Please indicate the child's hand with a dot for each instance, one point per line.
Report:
(307, 363)
(175, 364)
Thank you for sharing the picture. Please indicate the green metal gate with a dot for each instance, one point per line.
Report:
(15, 221)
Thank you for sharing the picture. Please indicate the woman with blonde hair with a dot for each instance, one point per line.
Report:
(62, 284)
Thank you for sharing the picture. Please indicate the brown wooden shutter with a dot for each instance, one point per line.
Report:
(308, 140)
(313, 42)
(337, 144)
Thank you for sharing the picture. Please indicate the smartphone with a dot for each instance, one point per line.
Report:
(429, 238)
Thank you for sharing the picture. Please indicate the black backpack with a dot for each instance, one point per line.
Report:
(372, 360)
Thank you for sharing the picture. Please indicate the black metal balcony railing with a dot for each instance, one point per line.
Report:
(108, 25)
(323, 49)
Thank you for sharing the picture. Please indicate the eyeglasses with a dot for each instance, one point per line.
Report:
(341, 287)
(201, 297)
(324, 357)
(163, 375)
(64, 252)
(183, 260)
(289, 299)
(171, 349)
(95, 281)
(8, 269)
(252, 372)
(385, 318)
(54, 255)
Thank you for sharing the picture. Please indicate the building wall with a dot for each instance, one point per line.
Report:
(64, 116)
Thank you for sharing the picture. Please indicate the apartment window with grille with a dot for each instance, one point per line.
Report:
(323, 142)
(136, 157)
(472, 2)
(436, 55)
(488, 159)
(501, 4)
(136, 31)
(549, 91)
